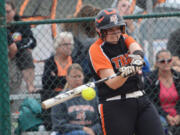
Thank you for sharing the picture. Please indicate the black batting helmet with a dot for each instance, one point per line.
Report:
(108, 18)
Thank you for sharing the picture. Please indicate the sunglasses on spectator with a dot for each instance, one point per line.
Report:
(163, 61)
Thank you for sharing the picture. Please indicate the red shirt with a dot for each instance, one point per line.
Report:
(168, 99)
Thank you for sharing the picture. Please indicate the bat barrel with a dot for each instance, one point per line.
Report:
(64, 96)
(48, 103)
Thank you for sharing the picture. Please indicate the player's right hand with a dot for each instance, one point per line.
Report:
(137, 61)
(128, 71)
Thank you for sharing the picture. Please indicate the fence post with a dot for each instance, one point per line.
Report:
(5, 124)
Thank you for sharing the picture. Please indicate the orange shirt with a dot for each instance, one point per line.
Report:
(62, 71)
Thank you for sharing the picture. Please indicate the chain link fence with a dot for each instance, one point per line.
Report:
(34, 73)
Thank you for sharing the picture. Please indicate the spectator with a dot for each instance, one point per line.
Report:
(56, 66)
(84, 35)
(123, 6)
(162, 86)
(21, 42)
(55, 69)
(76, 116)
(173, 47)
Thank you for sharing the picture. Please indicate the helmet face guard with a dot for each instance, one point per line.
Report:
(109, 18)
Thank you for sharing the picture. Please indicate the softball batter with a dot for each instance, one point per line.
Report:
(124, 109)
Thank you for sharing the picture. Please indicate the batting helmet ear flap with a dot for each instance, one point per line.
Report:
(123, 29)
(99, 33)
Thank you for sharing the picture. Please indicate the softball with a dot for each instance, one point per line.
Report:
(88, 93)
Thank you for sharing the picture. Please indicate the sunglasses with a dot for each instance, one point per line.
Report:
(163, 61)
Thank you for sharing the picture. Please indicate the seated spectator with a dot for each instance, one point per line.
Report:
(55, 69)
(56, 66)
(163, 88)
(21, 42)
(76, 116)
(84, 35)
(173, 47)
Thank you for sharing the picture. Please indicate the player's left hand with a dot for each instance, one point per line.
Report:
(137, 61)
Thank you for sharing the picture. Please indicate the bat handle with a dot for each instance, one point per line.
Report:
(91, 84)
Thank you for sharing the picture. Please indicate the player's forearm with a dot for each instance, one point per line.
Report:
(134, 47)
(113, 83)
(116, 82)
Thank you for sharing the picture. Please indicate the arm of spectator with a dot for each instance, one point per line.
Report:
(60, 120)
(88, 130)
(176, 63)
(12, 50)
(28, 40)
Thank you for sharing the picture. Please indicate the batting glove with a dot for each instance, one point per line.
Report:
(137, 62)
(127, 71)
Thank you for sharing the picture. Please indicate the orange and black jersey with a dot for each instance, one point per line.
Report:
(103, 55)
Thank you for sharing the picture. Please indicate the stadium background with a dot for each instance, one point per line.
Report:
(33, 10)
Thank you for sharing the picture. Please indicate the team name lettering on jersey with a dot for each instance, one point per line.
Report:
(121, 60)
